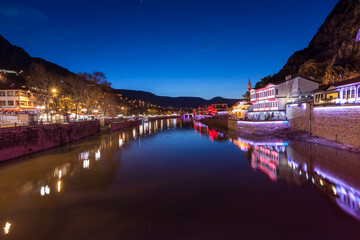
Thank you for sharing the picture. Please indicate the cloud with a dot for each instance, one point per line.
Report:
(13, 12)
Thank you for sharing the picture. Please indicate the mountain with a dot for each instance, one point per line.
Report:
(15, 58)
(333, 54)
(176, 102)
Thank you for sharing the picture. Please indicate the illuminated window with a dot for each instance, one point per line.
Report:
(29, 104)
(17, 103)
(2, 103)
(10, 93)
(16, 93)
(10, 103)
(2, 93)
(23, 103)
(352, 93)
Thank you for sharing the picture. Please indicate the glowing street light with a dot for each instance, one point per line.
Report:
(53, 90)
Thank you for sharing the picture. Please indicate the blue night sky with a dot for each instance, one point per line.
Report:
(203, 48)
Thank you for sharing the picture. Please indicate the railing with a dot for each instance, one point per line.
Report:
(38, 123)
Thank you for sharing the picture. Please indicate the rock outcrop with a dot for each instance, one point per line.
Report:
(333, 54)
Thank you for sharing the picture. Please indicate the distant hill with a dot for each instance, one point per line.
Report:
(176, 102)
(333, 53)
(15, 58)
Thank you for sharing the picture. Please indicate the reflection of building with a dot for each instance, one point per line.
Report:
(270, 102)
(267, 159)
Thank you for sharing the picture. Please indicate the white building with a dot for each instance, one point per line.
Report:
(346, 92)
(270, 102)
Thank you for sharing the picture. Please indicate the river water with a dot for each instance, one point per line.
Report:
(172, 180)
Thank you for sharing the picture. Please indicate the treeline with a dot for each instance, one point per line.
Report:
(78, 93)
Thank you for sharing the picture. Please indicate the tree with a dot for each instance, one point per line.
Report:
(46, 85)
(264, 81)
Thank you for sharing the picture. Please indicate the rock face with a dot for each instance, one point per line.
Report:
(333, 54)
(15, 58)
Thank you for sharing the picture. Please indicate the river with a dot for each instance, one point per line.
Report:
(173, 180)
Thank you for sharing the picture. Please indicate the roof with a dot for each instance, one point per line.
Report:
(283, 81)
(347, 82)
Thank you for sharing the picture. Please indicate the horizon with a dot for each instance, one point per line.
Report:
(183, 48)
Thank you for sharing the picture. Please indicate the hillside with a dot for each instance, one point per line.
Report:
(176, 102)
(15, 58)
(333, 53)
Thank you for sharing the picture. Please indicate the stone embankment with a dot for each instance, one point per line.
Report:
(21, 141)
(120, 125)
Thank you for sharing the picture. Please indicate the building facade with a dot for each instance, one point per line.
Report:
(269, 103)
(346, 92)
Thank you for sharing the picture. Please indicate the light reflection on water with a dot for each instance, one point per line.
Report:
(112, 173)
(303, 163)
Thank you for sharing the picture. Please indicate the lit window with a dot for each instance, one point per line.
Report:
(2, 103)
(10, 103)
(10, 93)
(2, 93)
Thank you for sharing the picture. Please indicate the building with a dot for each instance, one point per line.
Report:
(240, 110)
(17, 103)
(269, 103)
(346, 92)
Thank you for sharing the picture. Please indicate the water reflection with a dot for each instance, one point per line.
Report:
(77, 172)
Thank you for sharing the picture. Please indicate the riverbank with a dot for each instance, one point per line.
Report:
(274, 133)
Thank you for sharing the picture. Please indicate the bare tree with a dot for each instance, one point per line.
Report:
(45, 84)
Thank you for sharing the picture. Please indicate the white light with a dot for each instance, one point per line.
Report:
(7, 228)
(45, 190)
(97, 155)
(86, 164)
(59, 186)
(120, 142)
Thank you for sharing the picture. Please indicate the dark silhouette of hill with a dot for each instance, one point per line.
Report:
(176, 102)
(15, 58)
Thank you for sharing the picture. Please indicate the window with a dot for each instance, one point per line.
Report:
(29, 104)
(2, 93)
(10, 103)
(353, 93)
(2, 103)
(348, 94)
(10, 93)
(23, 94)
(16, 93)
(277, 91)
(17, 103)
(23, 103)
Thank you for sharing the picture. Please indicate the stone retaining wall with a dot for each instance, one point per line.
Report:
(337, 123)
(256, 127)
(20, 141)
(120, 125)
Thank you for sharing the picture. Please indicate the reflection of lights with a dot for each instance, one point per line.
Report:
(84, 155)
(7, 228)
(60, 173)
(141, 130)
(307, 176)
(45, 190)
(121, 143)
(86, 164)
(134, 133)
(97, 155)
(59, 186)
(321, 182)
(334, 190)
(313, 180)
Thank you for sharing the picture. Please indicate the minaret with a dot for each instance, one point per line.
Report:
(249, 85)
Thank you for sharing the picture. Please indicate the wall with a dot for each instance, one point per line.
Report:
(298, 116)
(256, 127)
(120, 125)
(20, 141)
(339, 124)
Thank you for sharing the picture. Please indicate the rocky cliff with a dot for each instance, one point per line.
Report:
(333, 53)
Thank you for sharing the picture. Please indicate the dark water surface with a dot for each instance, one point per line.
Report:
(171, 180)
